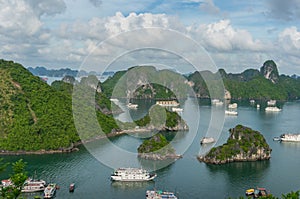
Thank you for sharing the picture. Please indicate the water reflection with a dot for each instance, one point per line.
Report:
(131, 185)
(293, 145)
(153, 165)
(241, 172)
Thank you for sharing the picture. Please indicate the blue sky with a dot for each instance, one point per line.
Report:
(234, 35)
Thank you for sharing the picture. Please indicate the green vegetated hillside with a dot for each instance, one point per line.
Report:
(156, 144)
(263, 84)
(33, 115)
(142, 82)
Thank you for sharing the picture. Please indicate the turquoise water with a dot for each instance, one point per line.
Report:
(187, 176)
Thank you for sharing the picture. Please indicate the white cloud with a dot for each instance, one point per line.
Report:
(289, 40)
(221, 36)
(17, 18)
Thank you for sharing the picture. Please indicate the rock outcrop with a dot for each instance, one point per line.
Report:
(269, 71)
(243, 144)
(157, 148)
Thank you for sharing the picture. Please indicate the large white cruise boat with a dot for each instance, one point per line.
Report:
(32, 185)
(272, 109)
(132, 174)
(290, 137)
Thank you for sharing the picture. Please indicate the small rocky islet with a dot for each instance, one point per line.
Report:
(243, 144)
(157, 148)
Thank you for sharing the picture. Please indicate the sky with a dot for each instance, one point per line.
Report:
(178, 34)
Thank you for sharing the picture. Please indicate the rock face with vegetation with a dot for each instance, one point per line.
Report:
(157, 148)
(243, 144)
(144, 82)
(265, 84)
(269, 71)
(33, 115)
(159, 118)
(36, 117)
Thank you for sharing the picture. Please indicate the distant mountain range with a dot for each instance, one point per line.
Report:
(42, 71)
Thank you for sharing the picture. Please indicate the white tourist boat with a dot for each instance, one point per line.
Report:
(178, 110)
(217, 102)
(232, 106)
(132, 174)
(132, 106)
(272, 109)
(31, 185)
(231, 112)
(167, 103)
(50, 190)
(207, 140)
(158, 194)
(288, 137)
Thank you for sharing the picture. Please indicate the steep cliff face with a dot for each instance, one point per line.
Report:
(269, 71)
(243, 144)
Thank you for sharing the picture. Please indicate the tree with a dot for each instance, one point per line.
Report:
(17, 178)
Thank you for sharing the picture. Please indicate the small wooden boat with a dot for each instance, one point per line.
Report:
(250, 192)
(72, 187)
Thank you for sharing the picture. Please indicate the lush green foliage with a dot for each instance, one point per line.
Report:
(242, 140)
(37, 114)
(159, 116)
(250, 84)
(156, 144)
(259, 88)
(18, 177)
(146, 82)
(153, 91)
(110, 83)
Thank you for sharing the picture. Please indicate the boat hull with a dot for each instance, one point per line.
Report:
(119, 179)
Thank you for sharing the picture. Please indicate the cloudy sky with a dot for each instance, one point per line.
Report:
(95, 34)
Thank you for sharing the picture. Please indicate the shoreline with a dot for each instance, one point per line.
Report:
(73, 147)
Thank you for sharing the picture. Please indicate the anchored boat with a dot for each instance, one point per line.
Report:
(50, 190)
(31, 185)
(153, 194)
(132, 174)
(290, 137)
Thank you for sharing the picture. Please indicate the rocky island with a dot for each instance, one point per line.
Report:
(157, 148)
(243, 144)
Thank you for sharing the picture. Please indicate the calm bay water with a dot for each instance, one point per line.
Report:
(187, 176)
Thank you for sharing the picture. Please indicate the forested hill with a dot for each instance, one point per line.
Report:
(33, 115)
(37, 117)
(263, 84)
